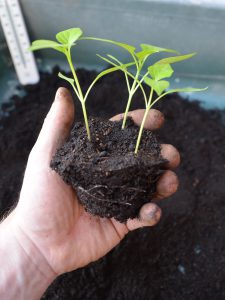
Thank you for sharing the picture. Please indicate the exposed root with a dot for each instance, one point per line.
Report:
(87, 192)
(117, 187)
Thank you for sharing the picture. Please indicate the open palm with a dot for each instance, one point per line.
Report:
(48, 212)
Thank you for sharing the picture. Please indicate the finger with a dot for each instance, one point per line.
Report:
(155, 118)
(171, 154)
(167, 185)
(56, 127)
(149, 215)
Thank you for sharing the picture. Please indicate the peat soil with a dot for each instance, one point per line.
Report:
(110, 180)
(183, 257)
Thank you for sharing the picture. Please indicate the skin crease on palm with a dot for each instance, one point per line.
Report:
(48, 215)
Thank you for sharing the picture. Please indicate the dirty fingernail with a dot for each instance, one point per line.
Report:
(154, 214)
(150, 212)
(60, 93)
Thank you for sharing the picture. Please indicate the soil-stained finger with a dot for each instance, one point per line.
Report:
(171, 154)
(167, 185)
(149, 215)
(155, 118)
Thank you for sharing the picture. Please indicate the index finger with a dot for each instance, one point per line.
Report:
(155, 118)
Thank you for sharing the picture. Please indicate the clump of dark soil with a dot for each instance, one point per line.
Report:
(181, 258)
(109, 179)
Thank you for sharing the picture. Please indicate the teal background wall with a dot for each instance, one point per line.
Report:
(192, 25)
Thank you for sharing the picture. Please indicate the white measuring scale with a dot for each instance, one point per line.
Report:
(18, 42)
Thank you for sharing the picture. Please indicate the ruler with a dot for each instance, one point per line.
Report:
(15, 32)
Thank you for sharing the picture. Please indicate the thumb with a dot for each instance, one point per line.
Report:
(56, 127)
(149, 215)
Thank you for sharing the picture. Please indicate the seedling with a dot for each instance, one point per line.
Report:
(65, 41)
(154, 77)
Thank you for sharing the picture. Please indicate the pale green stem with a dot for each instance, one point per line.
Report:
(150, 104)
(74, 75)
(134, 88)
(143, 122)
(75, 90)
(80, 94)
(125, 73)
(140, 81)
(141, 87)
(127, 81)
(136, 62)
(131, 93)
(86, 120)
(127, 109)
(90, 87)
(161, 96)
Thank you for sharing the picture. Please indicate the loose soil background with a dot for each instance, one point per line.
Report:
(181, 258)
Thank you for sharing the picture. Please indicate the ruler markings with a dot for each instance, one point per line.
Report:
(15, 34)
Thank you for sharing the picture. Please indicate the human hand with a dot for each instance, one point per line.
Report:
(49, 215)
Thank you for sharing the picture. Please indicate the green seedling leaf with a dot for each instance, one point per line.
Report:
(107, 71)
(123, 66)
(127, 47)
(144, 54)
(45, 44)
(70, 80)
(155, 49)
(148, 50)
(69, 37)
(187, 90)
(115, 59)
(103, 73)
(157, 86)
(158, 71)
(110, 70)
(180, 90)
(174, 59)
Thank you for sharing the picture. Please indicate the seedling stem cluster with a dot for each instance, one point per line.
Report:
(154, 77)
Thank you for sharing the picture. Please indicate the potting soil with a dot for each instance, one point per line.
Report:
(109, 178)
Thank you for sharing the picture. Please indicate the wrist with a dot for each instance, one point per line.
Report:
(24, 274)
